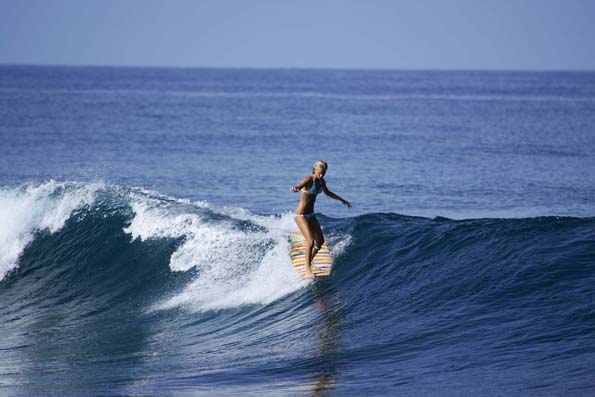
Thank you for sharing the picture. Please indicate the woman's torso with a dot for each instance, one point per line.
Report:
(308, 196)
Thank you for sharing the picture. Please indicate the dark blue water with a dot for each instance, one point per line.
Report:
(145, 217)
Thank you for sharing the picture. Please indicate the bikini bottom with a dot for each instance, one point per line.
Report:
(308, 216)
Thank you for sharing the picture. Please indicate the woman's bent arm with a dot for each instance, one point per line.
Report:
(301, 184)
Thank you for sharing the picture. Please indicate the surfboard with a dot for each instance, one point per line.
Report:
(322, 263)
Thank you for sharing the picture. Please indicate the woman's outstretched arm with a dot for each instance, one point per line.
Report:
(335, 196)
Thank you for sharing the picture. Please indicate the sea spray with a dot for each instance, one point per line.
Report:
(30, 208)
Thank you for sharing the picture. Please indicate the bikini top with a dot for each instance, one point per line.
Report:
(316, 187)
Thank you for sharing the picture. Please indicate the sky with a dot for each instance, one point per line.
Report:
(365, 34)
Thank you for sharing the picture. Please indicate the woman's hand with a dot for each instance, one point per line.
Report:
(347, 203)
(294, 189)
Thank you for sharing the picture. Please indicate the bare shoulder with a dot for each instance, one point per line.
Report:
(307, 179)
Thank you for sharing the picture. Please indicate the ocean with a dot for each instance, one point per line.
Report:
(145, 218)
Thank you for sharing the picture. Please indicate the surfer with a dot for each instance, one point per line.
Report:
(310, 187)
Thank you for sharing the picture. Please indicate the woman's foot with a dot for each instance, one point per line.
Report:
(308, 272)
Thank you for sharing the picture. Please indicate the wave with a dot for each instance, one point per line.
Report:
(235, 257)
(193, 282)
(232, 257)
(30, 208)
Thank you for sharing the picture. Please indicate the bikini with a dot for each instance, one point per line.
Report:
(315, 189)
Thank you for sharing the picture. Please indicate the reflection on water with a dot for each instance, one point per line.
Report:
(328, 343)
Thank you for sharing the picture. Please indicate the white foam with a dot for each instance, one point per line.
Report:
(338, 243)
(249, 268)
(236, 265)
(272, 278)
(30, 208)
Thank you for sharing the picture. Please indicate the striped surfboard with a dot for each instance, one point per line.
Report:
(322, 263)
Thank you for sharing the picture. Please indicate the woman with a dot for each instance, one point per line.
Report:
(304, 214)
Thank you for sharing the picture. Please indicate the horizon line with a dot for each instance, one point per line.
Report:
(304, 68)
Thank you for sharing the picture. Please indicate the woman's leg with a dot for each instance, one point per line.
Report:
(305, 229)
(317, 236)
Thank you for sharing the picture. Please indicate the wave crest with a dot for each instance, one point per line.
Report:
(27, 209)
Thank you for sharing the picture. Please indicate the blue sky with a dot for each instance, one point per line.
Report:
(422, 34)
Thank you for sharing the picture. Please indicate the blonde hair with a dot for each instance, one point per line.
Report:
(320, 164)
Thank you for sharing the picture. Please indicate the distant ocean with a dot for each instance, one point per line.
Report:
(145, 217)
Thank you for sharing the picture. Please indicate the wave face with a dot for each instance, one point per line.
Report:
(109, 290)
